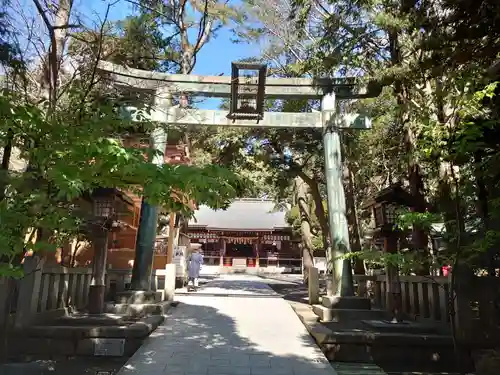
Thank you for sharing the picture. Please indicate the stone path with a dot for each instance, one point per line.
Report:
(234, 325)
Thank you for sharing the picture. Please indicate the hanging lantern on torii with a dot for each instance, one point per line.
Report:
(248, 83)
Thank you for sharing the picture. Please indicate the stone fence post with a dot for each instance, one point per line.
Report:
(313, 286)
(29, 291)
(169, 286)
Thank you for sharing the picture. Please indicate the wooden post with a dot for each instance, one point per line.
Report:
(29, 291)
(97, 289)
(466, 289)
(393, 290)
(171, 238)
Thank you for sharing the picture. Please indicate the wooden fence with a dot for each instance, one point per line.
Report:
(44, 292)
(50, 291)
(62, 288)
(423, 298)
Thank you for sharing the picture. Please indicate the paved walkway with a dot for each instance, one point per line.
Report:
(234, 325)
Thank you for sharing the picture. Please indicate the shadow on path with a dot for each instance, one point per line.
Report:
(230, 336)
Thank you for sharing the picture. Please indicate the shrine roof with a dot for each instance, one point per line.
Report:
(242, 214)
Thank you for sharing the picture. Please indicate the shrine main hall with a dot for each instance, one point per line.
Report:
(248, 234)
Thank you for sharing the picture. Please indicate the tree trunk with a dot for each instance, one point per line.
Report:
(58, 33)
(419, 236)
(482, 208)
(352, 219)
(319, 209)
(305, 226)
(7, 153)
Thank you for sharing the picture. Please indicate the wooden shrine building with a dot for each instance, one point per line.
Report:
(250, 233)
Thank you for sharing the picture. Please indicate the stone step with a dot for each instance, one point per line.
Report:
(406, 326)
(82, 319)
(420, 352)
(335, 302)
(47, 341)
(357, 342)
(138, 310)
(135, 297)
(347, 368)
(343, 368)
(326, 314)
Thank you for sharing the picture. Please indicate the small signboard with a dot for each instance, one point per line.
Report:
(109, 347)
(180, 261)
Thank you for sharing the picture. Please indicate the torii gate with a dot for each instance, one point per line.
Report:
(330, 91)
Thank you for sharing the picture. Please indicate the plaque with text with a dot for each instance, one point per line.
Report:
(109, 347)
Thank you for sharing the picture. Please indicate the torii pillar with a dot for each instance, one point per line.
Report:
(148, 222)
(341, 269)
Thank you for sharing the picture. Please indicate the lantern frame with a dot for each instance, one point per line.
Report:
(106, 205)
(384, 204)
(236, 111)
(103, 206)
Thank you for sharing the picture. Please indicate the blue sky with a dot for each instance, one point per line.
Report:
(214, 58)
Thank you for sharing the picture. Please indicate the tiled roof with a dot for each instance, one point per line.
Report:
(243, 214)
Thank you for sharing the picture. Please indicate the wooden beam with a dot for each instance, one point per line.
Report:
(220, 86)
(208, 117)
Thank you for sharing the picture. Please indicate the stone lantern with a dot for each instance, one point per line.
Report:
(384, 206)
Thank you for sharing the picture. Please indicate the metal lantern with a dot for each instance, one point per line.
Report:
(108, 203)
(384, 206)
(378, 215)
(384, 214)
(103, 206)
(390, 213)
(247, 91)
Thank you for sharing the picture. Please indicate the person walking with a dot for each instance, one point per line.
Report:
(194, 267)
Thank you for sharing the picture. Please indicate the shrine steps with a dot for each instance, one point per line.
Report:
(82, 335)
(129, 319)
(326, 314)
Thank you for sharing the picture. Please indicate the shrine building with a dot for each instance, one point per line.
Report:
(249, 234)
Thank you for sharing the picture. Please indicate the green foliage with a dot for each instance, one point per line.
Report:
(71, 160)
(186, 27)
(438, 114)
(406, 219)
(135, 41)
